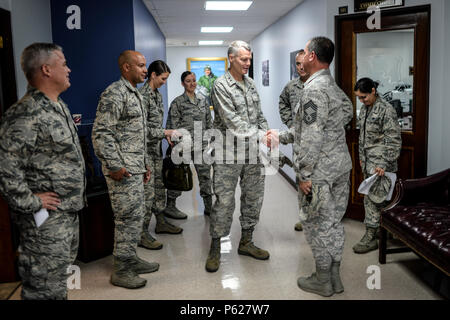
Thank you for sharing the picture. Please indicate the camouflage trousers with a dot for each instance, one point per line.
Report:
(127, 202)
(372, 210)
(323, 228)
(204, 180)
(155, 192)
(225, 179)
(45, 253)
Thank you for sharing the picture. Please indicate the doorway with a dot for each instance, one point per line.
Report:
(8, 90)
(8, 96)
(398, 57)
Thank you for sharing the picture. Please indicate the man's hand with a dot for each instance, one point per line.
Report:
(170, 134)
(147, 176)
(379, 172)
(50, 200)
(273, 140)
(119, 175)
(305, 187)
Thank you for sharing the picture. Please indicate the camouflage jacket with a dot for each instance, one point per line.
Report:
(207, 82)
(153, 103)
(380, 138)
(40, 152)
(120, 129)
(183, 113)
(320, 148)
(238, 111)
(289, 98)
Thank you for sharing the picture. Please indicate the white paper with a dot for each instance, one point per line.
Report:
(365, 186)
(40, 217)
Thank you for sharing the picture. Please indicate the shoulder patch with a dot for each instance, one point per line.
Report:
(310, 113)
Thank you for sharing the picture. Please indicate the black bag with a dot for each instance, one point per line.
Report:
(176, 176)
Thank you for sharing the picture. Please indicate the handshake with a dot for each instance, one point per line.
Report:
(271, 139)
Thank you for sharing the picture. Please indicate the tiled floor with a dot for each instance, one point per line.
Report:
(182, 274)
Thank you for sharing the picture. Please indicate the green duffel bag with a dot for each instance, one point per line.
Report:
(176, 176)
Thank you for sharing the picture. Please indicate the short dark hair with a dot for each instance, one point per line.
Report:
(323, 47)
(365, 85)
(185, 74)
(301, 51)
(158, 67)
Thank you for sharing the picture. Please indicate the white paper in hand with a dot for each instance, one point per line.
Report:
(366, 184)
(40, 217)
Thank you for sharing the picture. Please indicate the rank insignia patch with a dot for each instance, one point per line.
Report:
(310, 113)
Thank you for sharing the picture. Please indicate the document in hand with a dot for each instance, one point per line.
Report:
(40, 217)
(365, 186)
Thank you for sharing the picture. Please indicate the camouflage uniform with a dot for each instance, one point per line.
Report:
(119, 139)
(182, 115)
(155, 192)
(321, 156)
(288, 101)
(40, 152)
(379, 146)
(237, 110)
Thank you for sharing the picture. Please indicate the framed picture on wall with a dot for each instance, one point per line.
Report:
(265, 73)
(293, 68)
(218, 66)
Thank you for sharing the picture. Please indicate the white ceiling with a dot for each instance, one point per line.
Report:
(180, 20)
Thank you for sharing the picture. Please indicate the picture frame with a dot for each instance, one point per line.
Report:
(293, 67)
(197, 65)
(265, 73)
(363, 5)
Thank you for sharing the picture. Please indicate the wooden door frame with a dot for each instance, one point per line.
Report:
(8, 232)
(391, 19)
(8, 73)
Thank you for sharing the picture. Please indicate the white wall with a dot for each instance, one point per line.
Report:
(31, 22)
(275, 44)
(446, 86)
(177, 61)
(5, 4)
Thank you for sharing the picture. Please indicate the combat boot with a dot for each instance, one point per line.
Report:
(141, 266)
(247, 248)
(213, 260)
(298, 226)
(163, 226)
(124, 276)
(171, 211)
(148, 242)
(319, 283)
(336, 282)
(368, 242)
(207, 202)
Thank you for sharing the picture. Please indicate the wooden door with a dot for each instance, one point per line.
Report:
(351, 29)
(8, 91)
(8, 96)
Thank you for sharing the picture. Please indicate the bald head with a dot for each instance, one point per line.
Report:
(132, 66)
(128, 56)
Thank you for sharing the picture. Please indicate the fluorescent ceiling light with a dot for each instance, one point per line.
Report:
(228, 5)
(216, 29)
(210, 43)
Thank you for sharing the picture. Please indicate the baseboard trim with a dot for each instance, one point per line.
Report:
(288, 179)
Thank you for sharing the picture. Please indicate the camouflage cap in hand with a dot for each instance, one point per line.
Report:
(380, 189)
